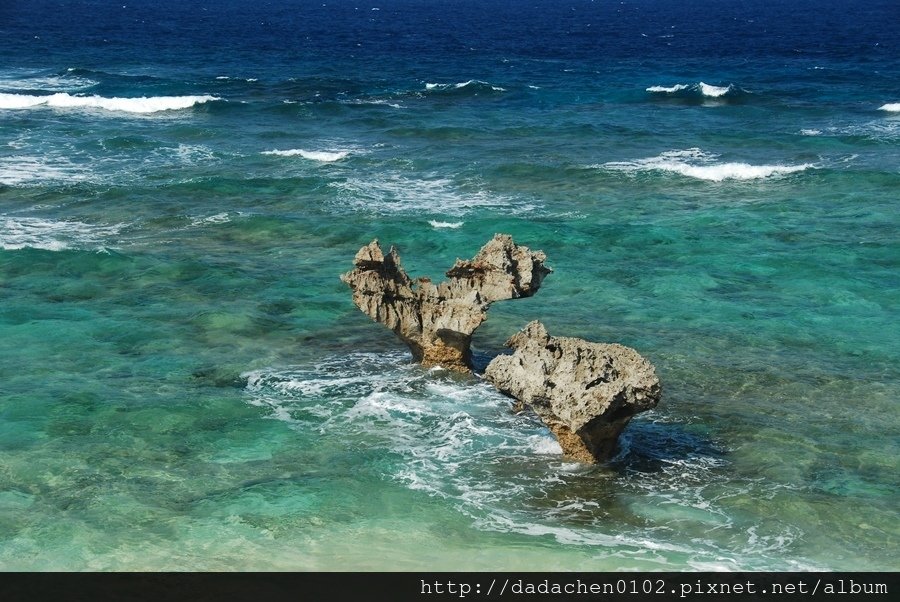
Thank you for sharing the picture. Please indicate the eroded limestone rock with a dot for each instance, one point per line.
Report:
(436, 321)
(585, 392)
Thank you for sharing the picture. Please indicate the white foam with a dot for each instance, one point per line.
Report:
(457, 440)
(891, 107)
(191, 154)
(695, 163)
(24, 170)
(218, 218)
(392, 192)
(885, 129)
(545, 445)
(460, 85)
(49, 83)
(437, 224)
(702, 88)
(143, 105)
(669, 89)
(378, 102)
(36, 233)
(713, 91)
(323, 156)
(811, 132)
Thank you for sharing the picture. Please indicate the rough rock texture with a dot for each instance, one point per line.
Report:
(436, 321)
(585, 392)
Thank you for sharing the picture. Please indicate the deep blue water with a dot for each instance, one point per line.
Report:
(186, 384)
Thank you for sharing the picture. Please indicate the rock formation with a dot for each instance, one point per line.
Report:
(585, 392)
(437, 321)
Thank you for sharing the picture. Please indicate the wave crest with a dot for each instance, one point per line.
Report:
(700, 89)
(323, 156)
(669, 89)
(63, 100)
(471, 86)
(891, 107)
(452, 225)
(694, 163)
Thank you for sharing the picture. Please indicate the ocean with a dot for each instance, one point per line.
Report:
(185, 383)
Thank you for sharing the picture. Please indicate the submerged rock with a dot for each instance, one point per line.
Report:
(436, 321)
(585, 392)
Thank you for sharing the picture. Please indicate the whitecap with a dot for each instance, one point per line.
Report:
(713, 91)
(152, 104)
(51, 235)
(695, 163)
(891, 107)
(668, 89)
(472, 83)
(811, 132)
(244, 79)
(323, 156)
(437, 224)
(701, 88)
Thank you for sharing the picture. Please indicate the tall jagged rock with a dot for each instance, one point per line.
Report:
(585, 392)
(436, 321)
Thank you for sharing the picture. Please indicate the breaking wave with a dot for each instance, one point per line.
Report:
(63, 100)
(452, 225)
(323, 156)
(699, 90)
(891, 107)
(472, 86)
(694, 163)
(669, 89)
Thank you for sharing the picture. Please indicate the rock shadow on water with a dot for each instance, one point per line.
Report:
(657, 458)
(649, 446)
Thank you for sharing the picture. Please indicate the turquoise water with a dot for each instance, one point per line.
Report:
(186, 384)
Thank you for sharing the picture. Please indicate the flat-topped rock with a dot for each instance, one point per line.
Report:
(585, 392)
(436, 321)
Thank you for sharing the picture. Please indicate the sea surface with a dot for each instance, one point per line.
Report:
(185, 383)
